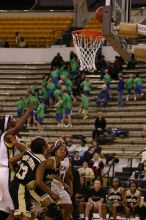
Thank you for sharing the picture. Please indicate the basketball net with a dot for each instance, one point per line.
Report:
(87, 43)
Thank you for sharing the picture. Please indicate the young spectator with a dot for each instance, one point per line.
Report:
(132, 198)
(74, 64)
(101, 65)
(40, 113)
(132, 62)
(120, 90)
(138, 86)
(35, 89)
(96, 201)
(86, 86)
(64, 72)
(67, 106)
(103, 97)
(59, 111)
(83, 147)
(107, 79)
(50, 87)
(84, 106)
(100, 125)
(57, 92)
(76, 160)
(44, 93)
(115, 198)
(129, 84)
(55, 75)
(87, 172)
(97, 165)
(69, 86)
(34, 99)
(19, 105)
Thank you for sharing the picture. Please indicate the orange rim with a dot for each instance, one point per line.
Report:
(87, 33)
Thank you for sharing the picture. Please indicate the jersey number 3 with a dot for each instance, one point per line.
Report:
(22, 171)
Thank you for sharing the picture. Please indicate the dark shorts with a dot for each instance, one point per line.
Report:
(67, 111)
(40, 120)
(33, 113)
(19, 112)
(59, 117)
(138, 89)
(50, 94)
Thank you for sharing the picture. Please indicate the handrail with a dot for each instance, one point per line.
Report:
(131, 160)
(112, 164)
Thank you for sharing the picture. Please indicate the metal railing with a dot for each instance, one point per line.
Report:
(134, 156)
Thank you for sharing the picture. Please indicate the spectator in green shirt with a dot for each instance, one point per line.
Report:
(84, 106)
(55, 76)
(50, 87)
(35, 89)
(59, 111)
(129, 84)
(40, 113)
(19, 105)
(138, 82)
(67, 106)
(44, 93)
(86, 86)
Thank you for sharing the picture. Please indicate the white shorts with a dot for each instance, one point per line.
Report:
(6, 203)
(57, 188)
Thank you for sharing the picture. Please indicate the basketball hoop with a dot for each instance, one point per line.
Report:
(87, 43)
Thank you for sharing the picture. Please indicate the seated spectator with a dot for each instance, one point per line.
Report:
(86, 172)
(132, 62)
(97, 165)
(132, 198)
(4, 43)
(76, 160)
(143, 209)
(140, 173)
(57, 61)
(96, 201)
(115, 198)
(103, 97)
(71, 147)
(101, 65)
(22, 43)
(82, 196)
(17, 38)
(82, 148)
(94, 148)
(100, 125)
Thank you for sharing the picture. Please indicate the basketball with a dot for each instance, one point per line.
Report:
(99, 14)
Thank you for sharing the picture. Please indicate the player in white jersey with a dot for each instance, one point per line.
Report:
(8, 126)
(58, 179)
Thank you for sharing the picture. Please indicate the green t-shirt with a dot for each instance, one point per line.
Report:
(35, 100)
(25, 102)
(107, 78)
(129, 83)
(138, 81)
(19, 104)
(51, 86)
(86, 86)
(67, 101)
(40, 111)
(35, 90)
(69, 84)
(85, 102)
(74, 65)
(57, 92)
(44, 92)
(55, 73)
(44, 83)
(59, 109)
(64, 74)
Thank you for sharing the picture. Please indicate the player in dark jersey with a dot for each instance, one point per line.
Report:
(59, 179)
(23, 187)
(132, 199)
(115, 198)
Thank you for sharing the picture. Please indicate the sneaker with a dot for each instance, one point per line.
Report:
(134, 98)
(59, 125)
(127, 99)
(66, 125)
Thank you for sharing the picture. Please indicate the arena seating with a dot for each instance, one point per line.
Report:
(93, 24)
(37, 31)
(15, 80)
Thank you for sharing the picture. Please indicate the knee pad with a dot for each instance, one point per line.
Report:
(53, 211)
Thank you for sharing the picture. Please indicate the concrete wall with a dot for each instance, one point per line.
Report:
(43, 55)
